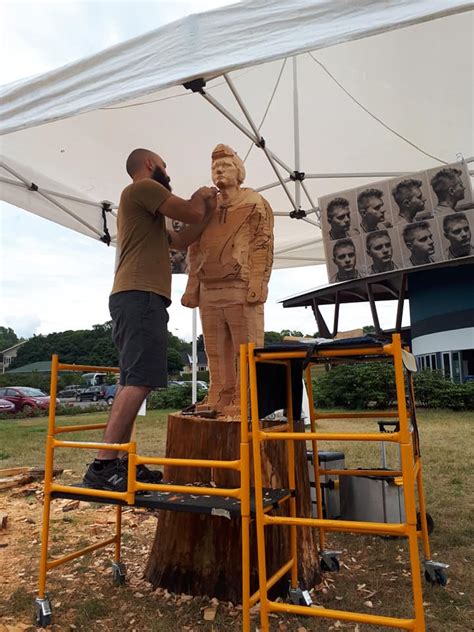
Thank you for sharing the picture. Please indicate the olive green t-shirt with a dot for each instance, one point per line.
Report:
(142, 240)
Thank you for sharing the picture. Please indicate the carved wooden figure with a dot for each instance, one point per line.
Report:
(229, 270)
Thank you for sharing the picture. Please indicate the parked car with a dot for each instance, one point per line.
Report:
(110, 394)
(6, 406)
(25, 398)
(93, 393)
(69, 391)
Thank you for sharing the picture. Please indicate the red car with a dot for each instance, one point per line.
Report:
(25, 398)
(6, 407)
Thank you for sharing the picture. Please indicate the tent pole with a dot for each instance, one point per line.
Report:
(272, 185)
(194, 354)
(254, 137)
(310, 242)
(34, 188)
(271, 157)
(381, 174)
(63, 196)
(296, 129)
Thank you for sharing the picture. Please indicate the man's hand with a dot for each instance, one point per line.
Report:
(208, 195)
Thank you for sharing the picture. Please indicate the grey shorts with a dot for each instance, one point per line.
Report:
(140, 334)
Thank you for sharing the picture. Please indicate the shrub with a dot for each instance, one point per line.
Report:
(66, 410)
(433, 390)
(372, 384)
(173, 397)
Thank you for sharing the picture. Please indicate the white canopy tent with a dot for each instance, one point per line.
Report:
(335, 90)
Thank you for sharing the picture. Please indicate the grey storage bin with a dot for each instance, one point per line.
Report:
(371, 499)
(327, 461)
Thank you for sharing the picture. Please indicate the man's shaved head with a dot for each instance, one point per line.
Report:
(136, 160)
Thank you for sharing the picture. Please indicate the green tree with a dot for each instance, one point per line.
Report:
(88, 346)
(8, 338)
(291, 332)
(272, 337)
(175, 361)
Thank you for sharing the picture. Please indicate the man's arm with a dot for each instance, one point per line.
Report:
(185, 237)
(190, 211)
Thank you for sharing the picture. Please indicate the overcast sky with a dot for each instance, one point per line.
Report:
(53, 279)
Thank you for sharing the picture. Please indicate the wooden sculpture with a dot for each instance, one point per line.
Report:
(229, 270)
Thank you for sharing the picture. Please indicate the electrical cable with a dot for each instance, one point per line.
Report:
(374, 116)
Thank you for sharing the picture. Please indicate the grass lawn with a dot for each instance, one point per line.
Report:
(374, 576)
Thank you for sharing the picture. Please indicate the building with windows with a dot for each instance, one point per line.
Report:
(8, 355)
(442, 321)
(441, 303)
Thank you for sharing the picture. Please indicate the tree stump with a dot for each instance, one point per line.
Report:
(201, 554)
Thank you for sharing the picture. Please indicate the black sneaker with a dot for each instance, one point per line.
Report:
(144, 475)
(111, 477)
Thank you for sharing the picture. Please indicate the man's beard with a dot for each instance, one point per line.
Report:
(159, 176)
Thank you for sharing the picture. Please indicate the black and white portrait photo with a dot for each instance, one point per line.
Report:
(339, 216)
(450, 189)
(457, 235)
(178, 258)
(420, 243)
(410, 199)
(347, 260)
(374, 208)
(382, 251)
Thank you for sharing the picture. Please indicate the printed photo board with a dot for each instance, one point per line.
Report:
(404, 222)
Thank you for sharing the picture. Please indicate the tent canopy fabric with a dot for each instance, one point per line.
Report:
(345, 92)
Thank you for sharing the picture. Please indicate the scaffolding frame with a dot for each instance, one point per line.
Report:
(410, 473)
(128, 498)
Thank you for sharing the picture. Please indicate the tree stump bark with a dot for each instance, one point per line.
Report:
(201, 554)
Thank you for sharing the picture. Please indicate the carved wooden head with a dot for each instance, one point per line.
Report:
(227, 168)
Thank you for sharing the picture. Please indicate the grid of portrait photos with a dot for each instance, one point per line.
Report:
(408, 221)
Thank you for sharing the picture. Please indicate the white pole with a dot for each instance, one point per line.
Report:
(296, 121)
(194, 355)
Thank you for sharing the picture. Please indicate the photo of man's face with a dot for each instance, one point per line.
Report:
(458, 189)
(458, 232)
(422, 243)
(380, 249)
(375, 210)
(340, 219)
(345, 258)
(415, 201)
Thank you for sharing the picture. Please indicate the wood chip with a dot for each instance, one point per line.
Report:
(70, 505)
(3, 520)
(210, 613)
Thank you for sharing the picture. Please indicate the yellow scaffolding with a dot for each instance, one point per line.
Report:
(54, 490)
(410, 474)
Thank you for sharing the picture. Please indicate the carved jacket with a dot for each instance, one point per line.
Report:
(234, 251)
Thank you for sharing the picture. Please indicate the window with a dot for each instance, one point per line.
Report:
(456, 362)
(447, 366)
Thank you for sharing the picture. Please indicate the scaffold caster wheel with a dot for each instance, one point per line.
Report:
(329, 561)
(299, 596)
(119, 573)
(435, 573)
(429, 523)
(439, 577)
(43, 613)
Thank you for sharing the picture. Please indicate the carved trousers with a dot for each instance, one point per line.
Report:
(224, 330)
